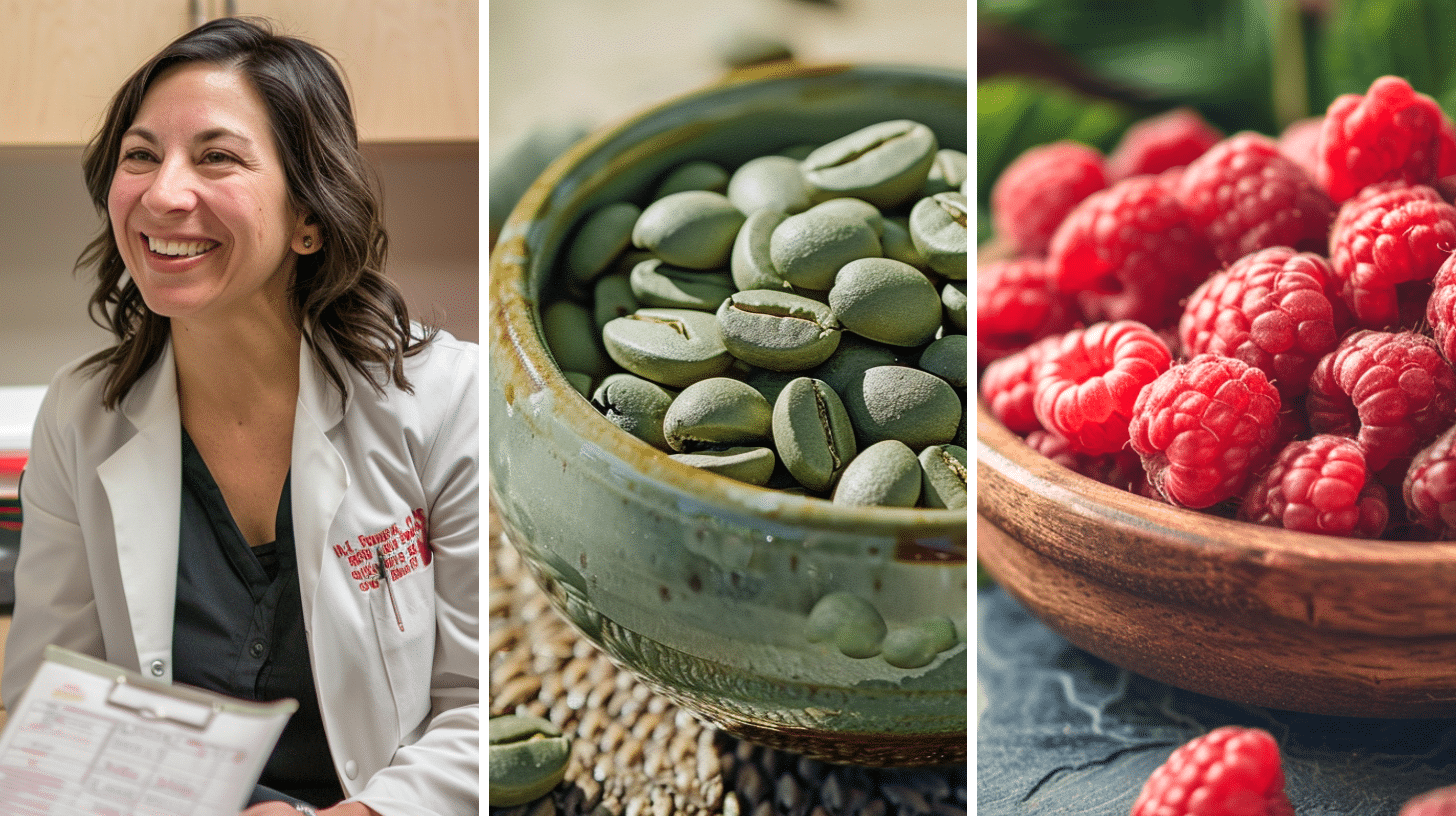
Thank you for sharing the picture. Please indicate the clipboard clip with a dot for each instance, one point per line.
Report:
(158, 707)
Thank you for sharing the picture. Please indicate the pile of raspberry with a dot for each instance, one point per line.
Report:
(1262, 328)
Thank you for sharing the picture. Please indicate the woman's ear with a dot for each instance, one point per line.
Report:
(307, 237)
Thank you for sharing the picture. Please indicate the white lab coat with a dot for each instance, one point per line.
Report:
(98, 559)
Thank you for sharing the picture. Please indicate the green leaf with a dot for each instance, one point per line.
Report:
(1015, 113)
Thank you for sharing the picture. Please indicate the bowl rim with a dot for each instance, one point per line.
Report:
(1190, 532)
(520, 358)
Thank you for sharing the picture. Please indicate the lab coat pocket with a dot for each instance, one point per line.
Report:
(403, 609)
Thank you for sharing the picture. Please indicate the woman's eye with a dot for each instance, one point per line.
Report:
(137, 154)
(215, 157)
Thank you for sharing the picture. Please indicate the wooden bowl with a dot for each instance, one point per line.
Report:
(1242, 612)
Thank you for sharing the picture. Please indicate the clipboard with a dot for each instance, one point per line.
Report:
(89, 738)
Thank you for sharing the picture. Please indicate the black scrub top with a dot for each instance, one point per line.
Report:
(239, 627)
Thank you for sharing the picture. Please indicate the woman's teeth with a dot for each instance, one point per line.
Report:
(179, 248)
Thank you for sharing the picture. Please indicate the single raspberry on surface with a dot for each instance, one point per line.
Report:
(1008, 386)
(1391, 133)
(1271, 310)
(1319, 485)
(1391, 391)
(1016, 304)
(1037, 190)
(1388, 235)
(1230, 771)
(1204, 428)
(1131, 253)
(1429, 488)
(1439, 802)
(1245, 195)
(1088, 382)
(1161, 142)
(1441, 308)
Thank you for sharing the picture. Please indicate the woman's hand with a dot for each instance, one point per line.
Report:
(285, 809)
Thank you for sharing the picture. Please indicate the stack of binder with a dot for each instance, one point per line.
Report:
(18, 407)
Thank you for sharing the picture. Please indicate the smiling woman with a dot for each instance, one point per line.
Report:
(206, 500)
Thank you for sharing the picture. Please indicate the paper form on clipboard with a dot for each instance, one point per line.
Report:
(89, 738)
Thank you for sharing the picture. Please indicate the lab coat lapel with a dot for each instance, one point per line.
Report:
(320, 476)
(143, 483)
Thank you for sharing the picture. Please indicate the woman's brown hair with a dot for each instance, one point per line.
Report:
(340, 293)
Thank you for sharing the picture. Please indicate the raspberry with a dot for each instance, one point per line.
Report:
(1122, 469)
(1441, 308)
(1204, 428)
(1037, 190)
(1299, 141)
(1439, 802)
(1008, 386)
(1269, 309)
(1245, 195)
(1230, 771)
(1387, 235)
(1446, 136)
(1391, 391)
(1319, 485)
(1088, 382)
(1161, 142)
(1391, 133)
(1430, 486)
(1132, 253)
(1016, 304)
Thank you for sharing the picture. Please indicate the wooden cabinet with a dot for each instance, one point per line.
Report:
(412, 65)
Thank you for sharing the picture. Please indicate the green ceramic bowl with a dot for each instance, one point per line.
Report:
(698, 584)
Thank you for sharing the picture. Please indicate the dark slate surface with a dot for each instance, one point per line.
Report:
(1063, 732)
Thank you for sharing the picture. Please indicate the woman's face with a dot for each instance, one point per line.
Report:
(199, 204)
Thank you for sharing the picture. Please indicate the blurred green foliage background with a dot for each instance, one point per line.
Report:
(1086, 69)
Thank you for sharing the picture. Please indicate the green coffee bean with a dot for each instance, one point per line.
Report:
(528, 757)
(946, 358)
(612, 298)
(897, 244)
(693, 229)
(848, 621)
(887, 301)
(673, 347)
(571, 337)
(885, 474)
(943, 476)
(884, 164)
(904, 404)
(947, 173)
(749, 262)
(778, 330)
(939, 227)
(769, 183)
(693, 175)
(854, 356)
(812, 433)
(916, 645)
(604, 235)
(751, 465)
(581, 382)
(953, 304)
(855, 208)
(717, 411)
(635, 405)
(808, 249)
(655, 283)
(770, 383)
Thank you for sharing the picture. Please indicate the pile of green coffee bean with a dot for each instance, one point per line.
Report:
(797, 322)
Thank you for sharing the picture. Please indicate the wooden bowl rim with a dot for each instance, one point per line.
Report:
(1191, 532)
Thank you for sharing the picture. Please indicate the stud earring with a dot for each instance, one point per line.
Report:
(308, 242)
